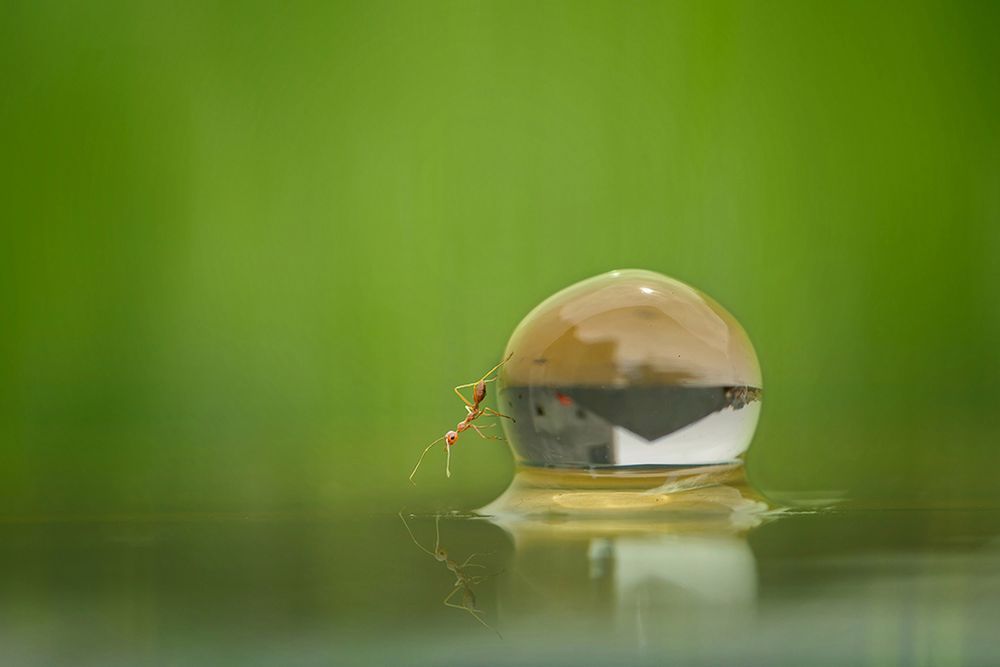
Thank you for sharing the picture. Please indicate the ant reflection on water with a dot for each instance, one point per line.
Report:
(463, 580)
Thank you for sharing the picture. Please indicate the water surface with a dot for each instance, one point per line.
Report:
(859, 588)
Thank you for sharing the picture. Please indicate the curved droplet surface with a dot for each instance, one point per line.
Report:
(629, 369)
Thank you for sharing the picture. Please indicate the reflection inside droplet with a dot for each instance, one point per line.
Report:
(629, 369)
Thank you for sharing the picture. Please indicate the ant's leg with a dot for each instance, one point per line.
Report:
(447, 464)
(473, 384)
(491, 411)
(479, 578)
(475, 613)
(467, 563)
(493, 370)
(466, 386)
(482, 379)
(467, 402)
(483, 435)
(447, 598)
(467, 605)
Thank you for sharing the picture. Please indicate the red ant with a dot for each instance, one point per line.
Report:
(473, 412)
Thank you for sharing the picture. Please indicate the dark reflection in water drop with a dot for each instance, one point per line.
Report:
(586, 426)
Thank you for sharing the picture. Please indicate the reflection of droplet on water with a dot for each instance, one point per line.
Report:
(630, 370)
(653, 581)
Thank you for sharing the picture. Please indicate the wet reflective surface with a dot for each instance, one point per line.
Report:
(864, 587)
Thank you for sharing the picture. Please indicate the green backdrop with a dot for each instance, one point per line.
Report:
(248, 248)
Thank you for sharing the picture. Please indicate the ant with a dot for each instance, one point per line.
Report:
(463, 581)
(473, 411)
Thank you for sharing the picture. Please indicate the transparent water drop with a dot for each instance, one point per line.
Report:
(629, 370)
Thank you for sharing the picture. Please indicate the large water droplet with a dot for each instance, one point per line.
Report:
(629, 370)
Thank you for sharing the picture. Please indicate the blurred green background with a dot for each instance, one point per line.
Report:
(246, 249)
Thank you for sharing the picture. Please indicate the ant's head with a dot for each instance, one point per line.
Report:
(450, 437)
